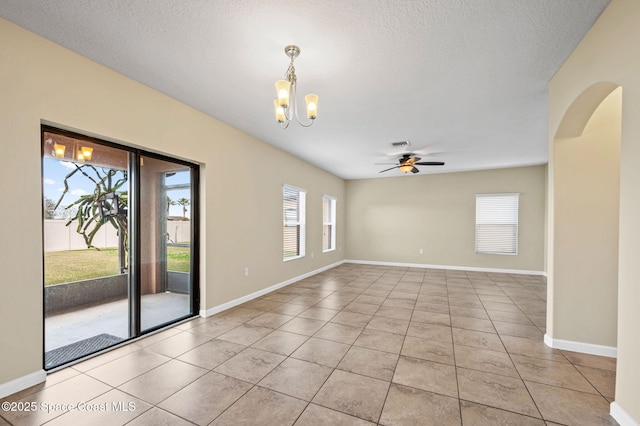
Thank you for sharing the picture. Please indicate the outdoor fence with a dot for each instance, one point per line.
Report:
(58, 237)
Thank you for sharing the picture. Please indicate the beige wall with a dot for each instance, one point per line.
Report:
(587, 182)
(390, 220)
(608, 54)
(241, 210)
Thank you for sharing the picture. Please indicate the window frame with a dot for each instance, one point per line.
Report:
(300, 221)
(331, 222)
(508, 209)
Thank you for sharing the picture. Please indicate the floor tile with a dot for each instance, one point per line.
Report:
(426, 375)
(305, 326)
(477, 339)
(250, 365)
(361, 308)
(109, 356)
(297, 378)
(485, 360)
(438, 333)
(280, 342)
(321, 351)
(553, 373)
(242, 314)
(111, 408)
(481, 415)
(475, 324)
(262, 305)
(215, 328)
(368, 362)
(158, 417)
(123, 369)
(206, 398)
(211, 354)
(389, 325)
(513, 317)
(497, 391)
(289, 309)
(352, 318)
(270, 320)
(245, 334)
(266, 406)
(409, 406)
(315, 415)
(439, 308)
(567, 406)
(353, 394)
(177, 345)
(369, 300)
(396, 313)
(431, 317)
(460, 311)
(318, 313)
(518, 330)
(163, 381)
(506, 305)
(594, 361)
(532, 348)
(380, 340)
(339, 333)
(69, 392)
(603, 380)
(394, 302)
(429, 350)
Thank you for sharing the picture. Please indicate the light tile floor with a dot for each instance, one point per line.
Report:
(354, 345)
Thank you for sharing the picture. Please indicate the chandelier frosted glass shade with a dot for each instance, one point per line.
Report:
(286, 103)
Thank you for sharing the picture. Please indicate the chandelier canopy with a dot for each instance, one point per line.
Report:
(286, 104)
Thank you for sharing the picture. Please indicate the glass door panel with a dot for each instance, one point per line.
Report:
(166, 231)
(85, 237)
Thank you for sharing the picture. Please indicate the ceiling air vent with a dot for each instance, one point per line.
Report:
(400, 144)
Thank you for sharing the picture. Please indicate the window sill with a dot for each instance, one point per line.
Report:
(292, 258)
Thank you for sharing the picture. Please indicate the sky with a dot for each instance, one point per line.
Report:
(54, 172)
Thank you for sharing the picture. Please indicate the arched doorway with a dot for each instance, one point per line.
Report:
(584, 212)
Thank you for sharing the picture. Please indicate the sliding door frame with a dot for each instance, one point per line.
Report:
(134, 268)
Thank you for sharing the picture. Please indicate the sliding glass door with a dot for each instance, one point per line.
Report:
(166, 233)
(120, 256)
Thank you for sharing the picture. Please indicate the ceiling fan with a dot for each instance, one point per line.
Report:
(407, 163)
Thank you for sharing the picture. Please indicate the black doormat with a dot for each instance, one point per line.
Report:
(79, 349)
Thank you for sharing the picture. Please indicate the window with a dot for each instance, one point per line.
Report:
(497, 223)
(328, 223)
(293, 202)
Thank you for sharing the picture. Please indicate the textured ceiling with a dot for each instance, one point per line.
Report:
(464, 80)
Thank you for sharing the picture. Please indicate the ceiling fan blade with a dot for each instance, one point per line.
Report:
(414, 170)
(415, 159)
(430, 163)
(386, 170)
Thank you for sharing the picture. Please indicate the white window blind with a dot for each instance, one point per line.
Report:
(328, 223)
(293, 232)
(497, 223)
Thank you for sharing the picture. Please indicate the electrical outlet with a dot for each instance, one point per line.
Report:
(312, 255)
(246, 272)
(421, 251)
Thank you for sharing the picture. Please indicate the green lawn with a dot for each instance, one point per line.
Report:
(77, 265)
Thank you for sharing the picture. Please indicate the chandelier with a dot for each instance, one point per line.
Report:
(286, 105)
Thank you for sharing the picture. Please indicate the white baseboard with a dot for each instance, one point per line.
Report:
(585, 348)
(455, 267)
(216, 309)
(621, 416)
(16, 385)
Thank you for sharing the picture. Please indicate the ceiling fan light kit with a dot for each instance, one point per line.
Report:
(407, 163)
(286, 103)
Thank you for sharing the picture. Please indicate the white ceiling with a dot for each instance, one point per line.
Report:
(464, 80)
